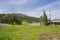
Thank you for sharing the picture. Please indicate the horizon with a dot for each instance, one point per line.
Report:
(32, 8)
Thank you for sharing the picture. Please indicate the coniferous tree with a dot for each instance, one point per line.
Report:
(45, 18)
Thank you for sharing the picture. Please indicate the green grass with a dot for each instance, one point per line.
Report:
(24, 32)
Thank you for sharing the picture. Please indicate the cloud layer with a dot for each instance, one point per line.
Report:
(31, 7)
(53, 7)
(17, 2)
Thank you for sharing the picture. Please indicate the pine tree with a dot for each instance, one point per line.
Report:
(45, 18)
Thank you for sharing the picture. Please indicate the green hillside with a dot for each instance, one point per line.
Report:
(13, 17)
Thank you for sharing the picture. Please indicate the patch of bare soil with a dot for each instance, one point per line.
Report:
(51, 35)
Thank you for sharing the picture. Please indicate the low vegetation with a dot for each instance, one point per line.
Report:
(27, 32)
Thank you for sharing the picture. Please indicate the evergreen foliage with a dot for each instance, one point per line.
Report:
(44, 19)
(15, 18)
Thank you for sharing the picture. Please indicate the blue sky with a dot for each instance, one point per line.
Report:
(31, 7)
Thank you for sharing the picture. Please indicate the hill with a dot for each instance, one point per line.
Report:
(19, 16)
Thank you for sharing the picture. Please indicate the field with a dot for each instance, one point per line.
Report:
(25, 32)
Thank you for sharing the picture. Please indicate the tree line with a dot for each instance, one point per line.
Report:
(16, 18)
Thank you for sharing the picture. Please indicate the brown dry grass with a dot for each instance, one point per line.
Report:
(50, 35)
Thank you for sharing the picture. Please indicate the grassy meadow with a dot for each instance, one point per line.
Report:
(24, 32)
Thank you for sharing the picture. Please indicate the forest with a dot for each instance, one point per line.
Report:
(16, 18)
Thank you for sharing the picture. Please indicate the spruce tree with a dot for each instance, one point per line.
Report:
(45, 18)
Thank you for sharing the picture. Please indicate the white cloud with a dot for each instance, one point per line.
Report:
(37, 12)
(17, 1)
(2, 11)
(53, 7)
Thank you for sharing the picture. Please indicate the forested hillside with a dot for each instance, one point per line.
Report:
(17, 18)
